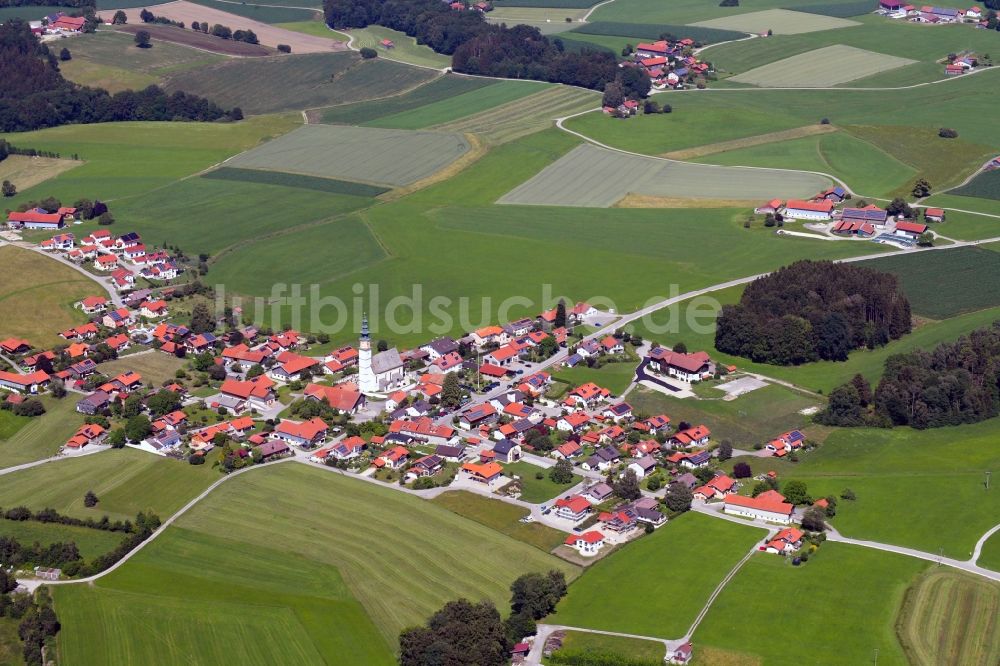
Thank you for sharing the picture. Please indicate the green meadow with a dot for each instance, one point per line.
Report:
(989, 557)
(437, 90)
(90, 542)
(616, 377)
(838, 608)
(24, 440)
(459, 106)
(535, 490)
(657, 585)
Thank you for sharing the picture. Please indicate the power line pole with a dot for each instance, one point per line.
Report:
(988, 475)
(876, 656)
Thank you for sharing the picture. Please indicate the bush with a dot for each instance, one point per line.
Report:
(368, 53)
(848, 494)
(90, 499)
(947, 133)
(284, 48)
(195, 459)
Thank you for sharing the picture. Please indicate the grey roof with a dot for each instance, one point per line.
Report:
(449, 451)
(95, 399)
(688, 479)
(646, 462)
(600, 490)
(503, 447)
(442, 346)
(386, 361)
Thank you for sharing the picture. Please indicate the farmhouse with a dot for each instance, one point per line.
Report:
(798, 209)
(686, 367)
(35, 219)
(934, 214)
(343, 397)
(768, 509)
(772, 206)
(290, 366)
(587, 544)
(423, 428)
(257, 391)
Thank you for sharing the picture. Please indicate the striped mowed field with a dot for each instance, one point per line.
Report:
(780, 21)
(594, 177)
(828, 66)
(362, 154)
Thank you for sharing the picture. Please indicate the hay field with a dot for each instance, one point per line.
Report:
(26, 171)
(828, 66)
(781, 21)
(596, 177)
(365, 154)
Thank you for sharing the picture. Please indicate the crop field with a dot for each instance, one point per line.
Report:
(110, 60)
(828, 66)
(37, 296)
(208, 214)
(283, 83)
(460, 106)
(653, 31)
(269, 35)
(179, 37)
(91, 542)
(986, 186)
(965, 279)
(125, 480)
(950, 618)
(861, 165)
(261, 13)
(116, 166)
(437, 90)
(379, 156)
(850, 610)
(670, 600)
(502, 517)
(405, 50)
(320, 253)
(781, 21)
(537, 490)
(590, 176)
(25, 12)
(32, 439)
(299, 181)
(525, 116)
(755, 417)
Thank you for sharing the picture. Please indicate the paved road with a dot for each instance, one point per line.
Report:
(105, 282)
(977, 551)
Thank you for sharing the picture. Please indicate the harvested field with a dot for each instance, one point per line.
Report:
(590, 176)
(268, 35)
(828, 66)
(748, 142)
(26, 171)
(781, 21)
(365, 154)
(285, 84)
(985, 186)
(950, 618)
(175, 35)
(296, 180)
(525, 116)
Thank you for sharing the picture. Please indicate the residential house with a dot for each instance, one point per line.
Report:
(306, 434)
(440, 347)
(697, 436)
(683, 366)
(117, 318)
(503, 356)
(154, 309)
(274, 449)
(450, 362)
(291, 366)
(423, 428)
(506, 451)
(618, 412)
(94, 403)
(119, 342)
(257, 392)
(573, 422)
(573, 508)
(344, 397)
(490, 335)
(612, 345)
(426, 466)
(478, 415)
(598, 492)
(160, 443)
(488, 473)
(393, 458)
(643, 467)
(602, 459)
(14, 346)
(31, 383)
(88, 433)
(92, 304)
(716, 488)
(588, 395)
(690, 460)
(787, 540)
(567, 450)
(450, 452)
(106, 262)
(587, 544)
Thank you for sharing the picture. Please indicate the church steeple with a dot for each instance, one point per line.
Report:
(364, 327)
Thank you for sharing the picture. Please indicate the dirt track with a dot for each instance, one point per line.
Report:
(268, 35)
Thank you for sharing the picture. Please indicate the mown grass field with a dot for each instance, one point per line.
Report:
(828, 66)
(117, 165)
(501, 517)
(37, 296)
(156, 368)
(340, 560)
(689, 11)
(755, 417)
(950, 618)
(268, 85)
(126, 481)
(781, 21)
(637, 31)
(370, 155)
(849, 609)
(405, 50)
(262, 13)
(986, 185)
(965, 279)
(90, 542)
(329, 185)
(536, 490)
(460, 106)
(438, 90)
(110, 60)
(671, 571)
(38, 437)
(926, 478)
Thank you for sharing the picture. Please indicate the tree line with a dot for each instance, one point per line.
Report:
(35, 94)
(7, 149)
(478, 47)
(813, 310)
(957, 382)
(48, 3)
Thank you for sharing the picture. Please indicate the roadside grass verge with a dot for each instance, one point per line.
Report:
(502, 517)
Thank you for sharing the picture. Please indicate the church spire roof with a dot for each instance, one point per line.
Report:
(364, 327)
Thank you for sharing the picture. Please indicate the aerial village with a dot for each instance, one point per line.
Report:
(480, 412)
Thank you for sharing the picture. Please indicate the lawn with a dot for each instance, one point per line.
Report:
(117, 165)
(755, 417)
(126, 481)
(40, 436)
(155, 367)
(597, 177)
(110, 60)
(440, 89)
(268, 85)
(673, 572)
(828, 66)
(600, 645)
(37, 296)
(950, 618)
(502, 517)
(90, 542)
(966, 279)
(405, 50)
(535, 490)
(339, 560)
(616, 377)
(924, 477)
(380, 156)
(837, 608)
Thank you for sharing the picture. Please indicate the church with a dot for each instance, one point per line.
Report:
(380, 373)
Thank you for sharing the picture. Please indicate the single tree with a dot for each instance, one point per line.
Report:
(921, 189)
(678, 497)
(848, 495)
(725, 450)
(680, 348)
(284, 48)
(57, 389)
(451, 391)
(105, 219)
(117, 438)
(560, 319)
(119, 18)
(796, 493)
(368, 53)
(382, 345)
(8, 189)
(741, 470)
(146, 16)
(65, 55)
(138, 428)
(202, 320)
(627, 486)
(814, 519)
(561, 472)
(90, 499)
(142, 39)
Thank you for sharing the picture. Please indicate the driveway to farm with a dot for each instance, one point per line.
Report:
(269, 35)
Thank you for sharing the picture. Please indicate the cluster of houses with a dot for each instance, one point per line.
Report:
(896, 9)
(115, 255)
(867, 222)
(669, 63)
(57, 25)
(481, 7)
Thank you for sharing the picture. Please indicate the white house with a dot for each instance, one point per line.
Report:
(587, 544)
